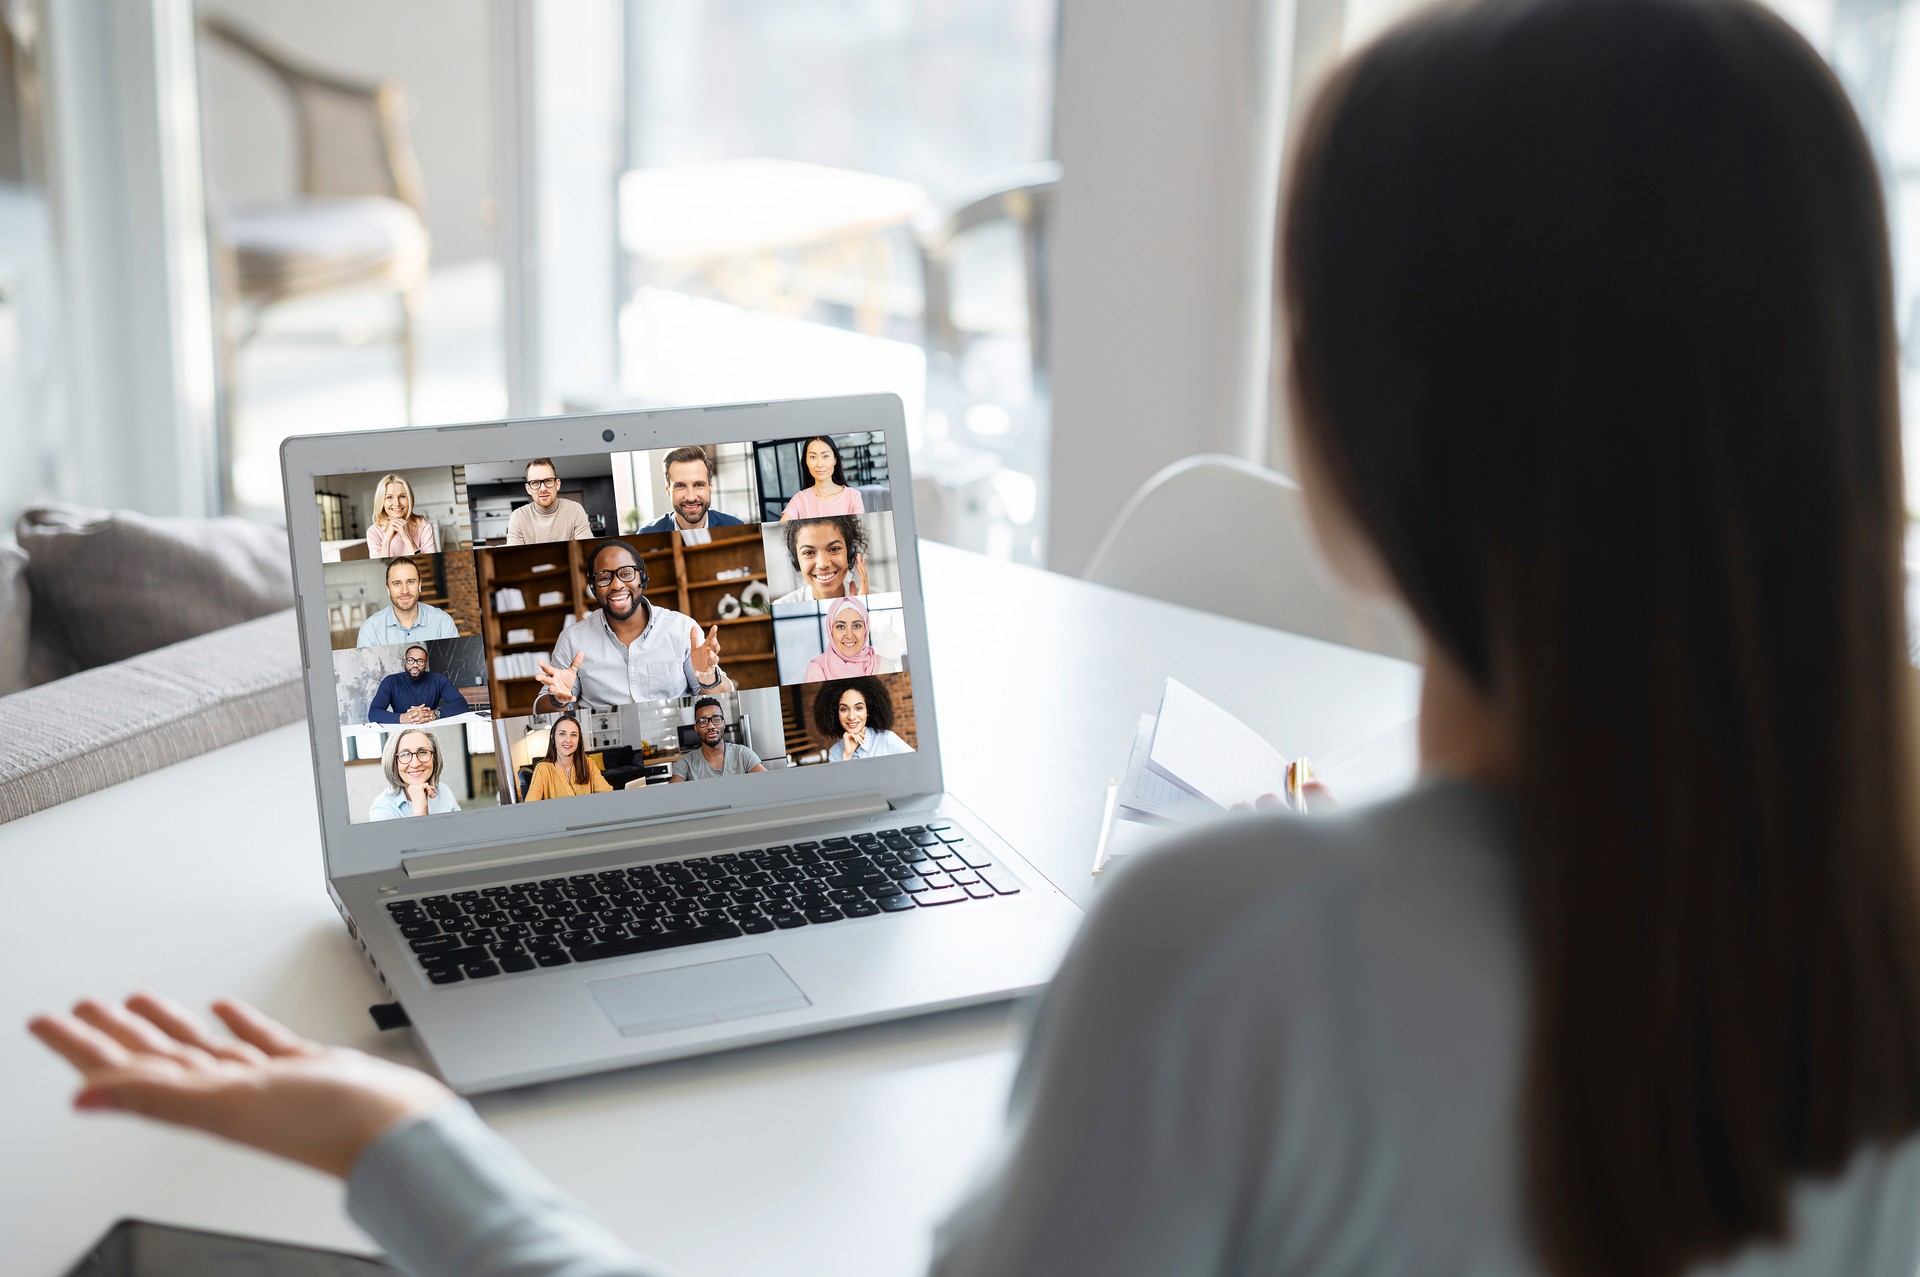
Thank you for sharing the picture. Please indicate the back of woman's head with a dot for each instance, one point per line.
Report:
(1588, 321)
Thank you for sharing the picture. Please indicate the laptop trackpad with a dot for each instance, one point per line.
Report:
(704, 993)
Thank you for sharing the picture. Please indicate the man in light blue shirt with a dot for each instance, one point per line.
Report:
(628, 649)
(405, 619)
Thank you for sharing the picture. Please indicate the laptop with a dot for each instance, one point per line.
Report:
(625, 742)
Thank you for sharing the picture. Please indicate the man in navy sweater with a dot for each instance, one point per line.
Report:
(418, 695)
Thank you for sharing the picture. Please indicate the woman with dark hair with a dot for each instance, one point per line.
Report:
(830, 557)
(566, 771)
(856, 714)
(1591, 360)
(828, 493)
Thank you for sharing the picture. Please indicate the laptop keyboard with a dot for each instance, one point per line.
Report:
(554, 922)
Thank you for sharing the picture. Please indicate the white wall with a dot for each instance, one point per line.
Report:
(1167, 128)
(437, 48)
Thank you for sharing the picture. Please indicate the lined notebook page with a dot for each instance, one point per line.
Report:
(1377, 767)
(1207, 751)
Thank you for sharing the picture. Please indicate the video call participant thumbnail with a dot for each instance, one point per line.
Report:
(717, 756)
(416, 694)
(566, 771)
(850, 652)
(627, 649)
(549, 516)
(829, 493)
(405, 619)
(411, 762)
(396, 529)
(830, 555)
(689, 475)
(857, 714)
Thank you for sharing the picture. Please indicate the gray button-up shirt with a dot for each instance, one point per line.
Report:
(657, 666)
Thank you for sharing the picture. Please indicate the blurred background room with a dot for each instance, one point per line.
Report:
(224, 223)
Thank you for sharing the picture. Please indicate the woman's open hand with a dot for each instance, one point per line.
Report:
(263, 1086)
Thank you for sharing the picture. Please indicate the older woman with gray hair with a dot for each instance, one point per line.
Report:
(412, 765)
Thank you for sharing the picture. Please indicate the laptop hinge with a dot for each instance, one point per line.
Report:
(629, 835)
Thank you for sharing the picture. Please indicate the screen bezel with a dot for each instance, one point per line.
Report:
(378, 846)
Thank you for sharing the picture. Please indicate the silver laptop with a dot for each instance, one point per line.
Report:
(625, 741)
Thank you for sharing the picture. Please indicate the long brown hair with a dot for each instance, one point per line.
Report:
(582, 771)
(1588, 317)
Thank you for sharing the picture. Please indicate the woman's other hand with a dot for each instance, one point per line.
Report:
(262, 1086)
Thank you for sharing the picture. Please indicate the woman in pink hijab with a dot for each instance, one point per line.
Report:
(849, 651)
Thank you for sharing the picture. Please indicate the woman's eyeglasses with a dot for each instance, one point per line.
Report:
(414, 756)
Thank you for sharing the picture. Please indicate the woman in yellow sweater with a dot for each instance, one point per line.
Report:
(566, 770)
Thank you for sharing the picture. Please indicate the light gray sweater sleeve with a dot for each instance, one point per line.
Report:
(446, 1197)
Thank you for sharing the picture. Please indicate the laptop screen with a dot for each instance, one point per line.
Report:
(552, 628)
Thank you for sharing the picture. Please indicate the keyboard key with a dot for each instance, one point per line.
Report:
(836, 842)
(517, 962)
(552, 957)
(944, 896)
(910, 830)
(755, 926)
(895, 904)
(950, 835)
(803, 846)
(915, 883)
(937, 881)
(434, 944)
(480, 970)
(828, 914)
(974, 856)
(997, 878)
(846, 895)
(789, 919)
(883, 890)
(862, 908)
(924, 839)
(938, 825)
(964, 877)
(445, 975)
(650, 944)
(418, 930)
(466, 895)
(979, 890)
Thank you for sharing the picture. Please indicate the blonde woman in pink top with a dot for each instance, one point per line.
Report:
(829, 493)
(396, 529)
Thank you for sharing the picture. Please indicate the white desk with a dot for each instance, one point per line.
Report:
(835, 1154)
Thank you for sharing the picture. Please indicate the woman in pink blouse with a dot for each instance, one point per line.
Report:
(829, 493)
(397, 530)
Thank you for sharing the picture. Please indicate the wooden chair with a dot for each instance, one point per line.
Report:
(1224, 535)
(358, 220)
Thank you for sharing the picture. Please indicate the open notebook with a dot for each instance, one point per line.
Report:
(1193, 759)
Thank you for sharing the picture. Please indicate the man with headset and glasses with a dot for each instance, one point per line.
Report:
(627, 649)
(549, 516)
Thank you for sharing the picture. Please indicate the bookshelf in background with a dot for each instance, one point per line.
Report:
(517, 567)
(746, 641)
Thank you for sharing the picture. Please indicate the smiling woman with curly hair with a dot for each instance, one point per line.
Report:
(856, 714)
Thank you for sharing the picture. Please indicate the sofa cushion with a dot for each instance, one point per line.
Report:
(16, 612)
(112, 585)
(112, 723)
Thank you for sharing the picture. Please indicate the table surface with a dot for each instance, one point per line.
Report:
(205, 879)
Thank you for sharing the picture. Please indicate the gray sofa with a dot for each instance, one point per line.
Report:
(128, 643)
